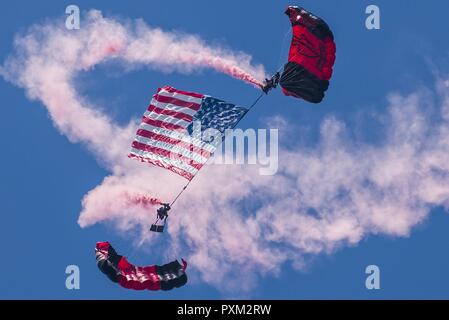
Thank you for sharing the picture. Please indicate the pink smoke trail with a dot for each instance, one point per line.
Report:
(187, 53)
(234, 71)
(140, 200)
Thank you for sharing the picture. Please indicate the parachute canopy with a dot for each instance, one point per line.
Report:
(119, 270)
(311, 57)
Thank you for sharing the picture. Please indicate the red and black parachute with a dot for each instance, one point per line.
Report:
(119, 270)
(311, 57)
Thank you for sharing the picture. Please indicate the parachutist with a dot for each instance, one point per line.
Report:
(162, 215)
(271, 83)
(162, 212)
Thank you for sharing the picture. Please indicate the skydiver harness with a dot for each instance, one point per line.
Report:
(162, 215)
(272, 83)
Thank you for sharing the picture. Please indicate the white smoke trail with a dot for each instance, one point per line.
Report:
(354, 188)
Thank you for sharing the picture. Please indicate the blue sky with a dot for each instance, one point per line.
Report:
(44, 176)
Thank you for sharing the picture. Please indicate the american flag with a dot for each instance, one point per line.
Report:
(167, 136)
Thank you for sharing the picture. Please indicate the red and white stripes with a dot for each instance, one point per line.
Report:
(162, 138)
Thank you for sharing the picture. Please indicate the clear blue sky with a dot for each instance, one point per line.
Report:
(41, 189)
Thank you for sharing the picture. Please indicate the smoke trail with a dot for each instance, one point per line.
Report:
(354, 189)
(141, 200)
(186, 53)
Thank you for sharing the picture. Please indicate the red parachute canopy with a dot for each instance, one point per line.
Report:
(119, 270)
(311, 57)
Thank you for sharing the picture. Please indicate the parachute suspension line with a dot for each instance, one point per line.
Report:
(281, 51)
(250, 107)
(182, 190)
(246, 112)
(289, 74)
(286, 75)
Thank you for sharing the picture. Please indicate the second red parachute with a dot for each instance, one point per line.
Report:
(154, 277)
